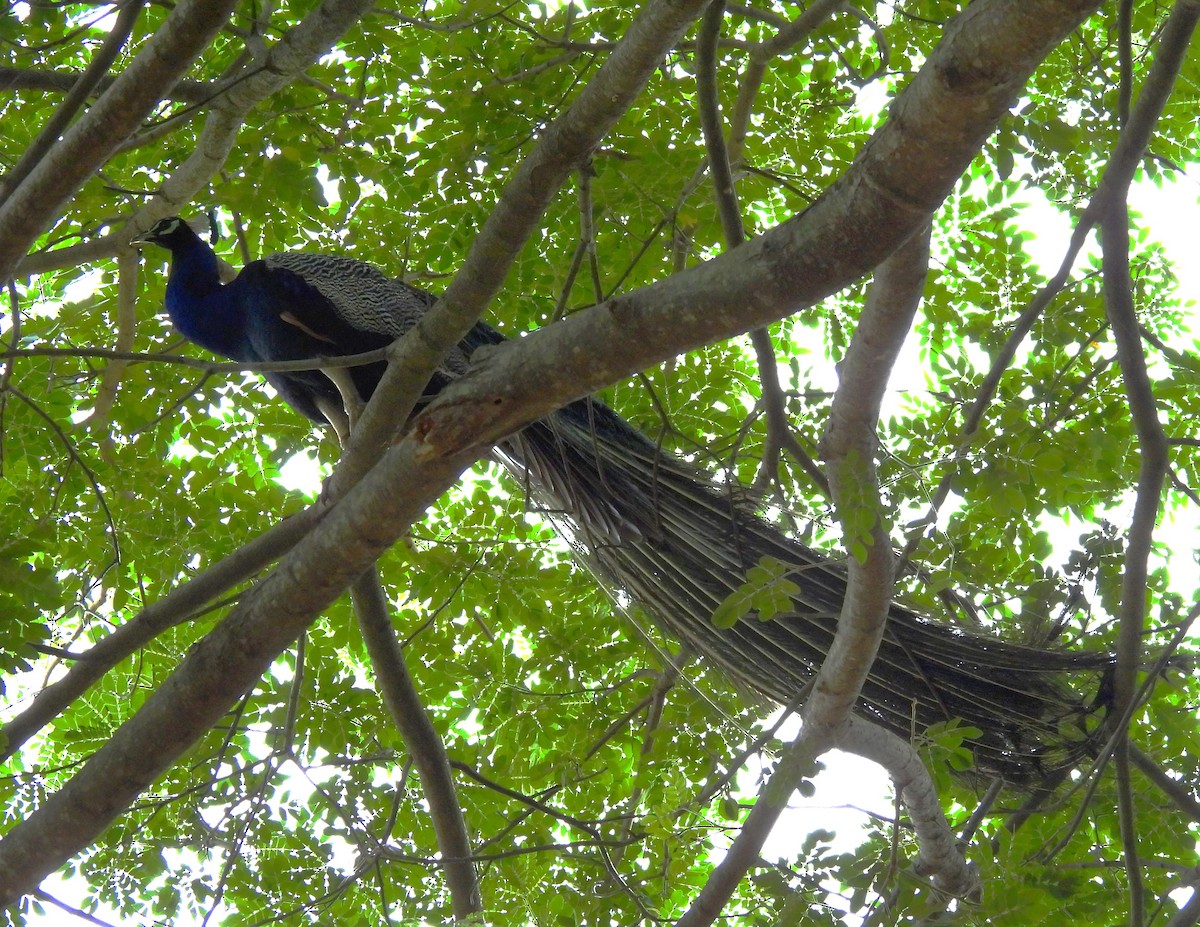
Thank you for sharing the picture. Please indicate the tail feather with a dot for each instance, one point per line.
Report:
(680, 543)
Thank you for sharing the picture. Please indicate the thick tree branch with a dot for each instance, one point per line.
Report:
(849, 447)
(938, 123)
(422, 739)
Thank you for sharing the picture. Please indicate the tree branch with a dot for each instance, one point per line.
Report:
(787, 38)
(938, 122)
(424, 744)
(287, 60)
(940, 859)
(565, 147)
(779, 432)
(110, 380)
(187, 91)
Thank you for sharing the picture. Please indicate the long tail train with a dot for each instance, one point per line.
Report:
(680, 543)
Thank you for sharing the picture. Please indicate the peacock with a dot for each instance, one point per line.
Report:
(675, 540)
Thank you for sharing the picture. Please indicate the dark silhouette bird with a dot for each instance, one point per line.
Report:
(676, 540)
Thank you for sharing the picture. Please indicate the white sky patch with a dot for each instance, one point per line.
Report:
(873, 98)
(329, 185)
(521, 648)
(1050, 229)
(182, 450)
(303, 472)
(470, 726)
(847, 792)
(1172, 213)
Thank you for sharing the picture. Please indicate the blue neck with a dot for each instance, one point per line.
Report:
(200, 306)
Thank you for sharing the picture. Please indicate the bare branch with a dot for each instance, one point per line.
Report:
(422, 739)
(188, 91)
(940, 858)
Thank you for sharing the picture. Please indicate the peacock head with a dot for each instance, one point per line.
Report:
(170, 232)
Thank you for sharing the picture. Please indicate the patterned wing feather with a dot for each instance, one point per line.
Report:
(363, 296)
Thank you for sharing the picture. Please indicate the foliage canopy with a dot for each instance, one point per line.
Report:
(594, 778)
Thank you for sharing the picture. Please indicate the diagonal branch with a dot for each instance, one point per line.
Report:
(286, 61)
(565, 147)
(938, 122)
(422, 739)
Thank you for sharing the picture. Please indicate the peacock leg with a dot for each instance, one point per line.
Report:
(352, 404)
(337, 418)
